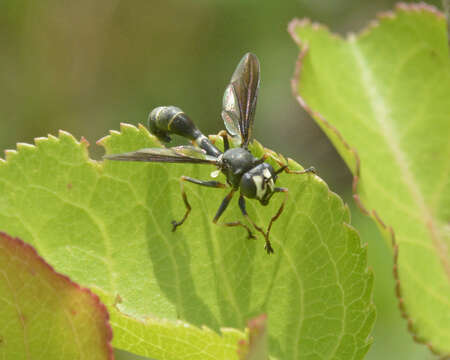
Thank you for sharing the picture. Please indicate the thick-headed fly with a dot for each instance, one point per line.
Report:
(253, 177)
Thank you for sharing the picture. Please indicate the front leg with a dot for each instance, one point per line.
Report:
(280, 210)
(284, 166)
(268, 246)
(311, 169)
(214, 184)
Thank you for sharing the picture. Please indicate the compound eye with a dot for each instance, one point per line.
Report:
(248, 186)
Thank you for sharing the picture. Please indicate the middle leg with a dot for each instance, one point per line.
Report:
(222, 208)
(214, 184)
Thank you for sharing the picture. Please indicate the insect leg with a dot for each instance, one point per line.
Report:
(280, 210)
(214, 184)
(284, 166)
(311, 169)
(268, 247)
(226, 144)
(222, 208)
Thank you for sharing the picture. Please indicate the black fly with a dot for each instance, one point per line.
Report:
(252, 176)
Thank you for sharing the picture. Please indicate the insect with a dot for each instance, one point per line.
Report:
(253, 177)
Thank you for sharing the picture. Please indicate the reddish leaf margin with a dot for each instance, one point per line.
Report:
(355, 167)
(16, 246)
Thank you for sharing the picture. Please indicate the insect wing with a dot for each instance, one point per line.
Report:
(230, 112)
(240, 98)
(178, 154)
(193, 152)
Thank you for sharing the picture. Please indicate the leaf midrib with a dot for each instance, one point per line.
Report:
(381, 112)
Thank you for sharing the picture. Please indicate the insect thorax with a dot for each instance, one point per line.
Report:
(236, 162)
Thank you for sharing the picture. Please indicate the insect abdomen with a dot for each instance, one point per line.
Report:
(166, 120)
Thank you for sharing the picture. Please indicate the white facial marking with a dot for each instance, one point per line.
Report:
(264, 184)
(258, 180)
(268, 175)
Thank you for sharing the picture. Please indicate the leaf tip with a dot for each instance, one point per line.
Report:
(24, 147)
(258, 146)
(101, 141)
(143, 128)
(52, 138)
(39, 140)
(125, 127)
(293, 25)
(105, 139)
(84, 141)
(65, 136)
(10, 154)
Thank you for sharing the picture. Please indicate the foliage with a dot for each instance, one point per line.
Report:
(382, 98)
(107, 226)
(44, 314)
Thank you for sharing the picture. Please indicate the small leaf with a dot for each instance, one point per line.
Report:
(383, 99)
(44, 315)
(255, 348)
(108, 225)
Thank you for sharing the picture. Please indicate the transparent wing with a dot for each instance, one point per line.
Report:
(177, 154)
(239, 100)
(231, 124)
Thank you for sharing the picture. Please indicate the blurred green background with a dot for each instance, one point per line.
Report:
(85, 66)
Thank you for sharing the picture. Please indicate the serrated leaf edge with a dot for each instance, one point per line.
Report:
(387, 229)
(123, 128)
(140, 128)
(20, 146)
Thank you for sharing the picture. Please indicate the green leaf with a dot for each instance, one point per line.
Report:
(383, 99)
(168, 339)
(108, 226)
(44, 315)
